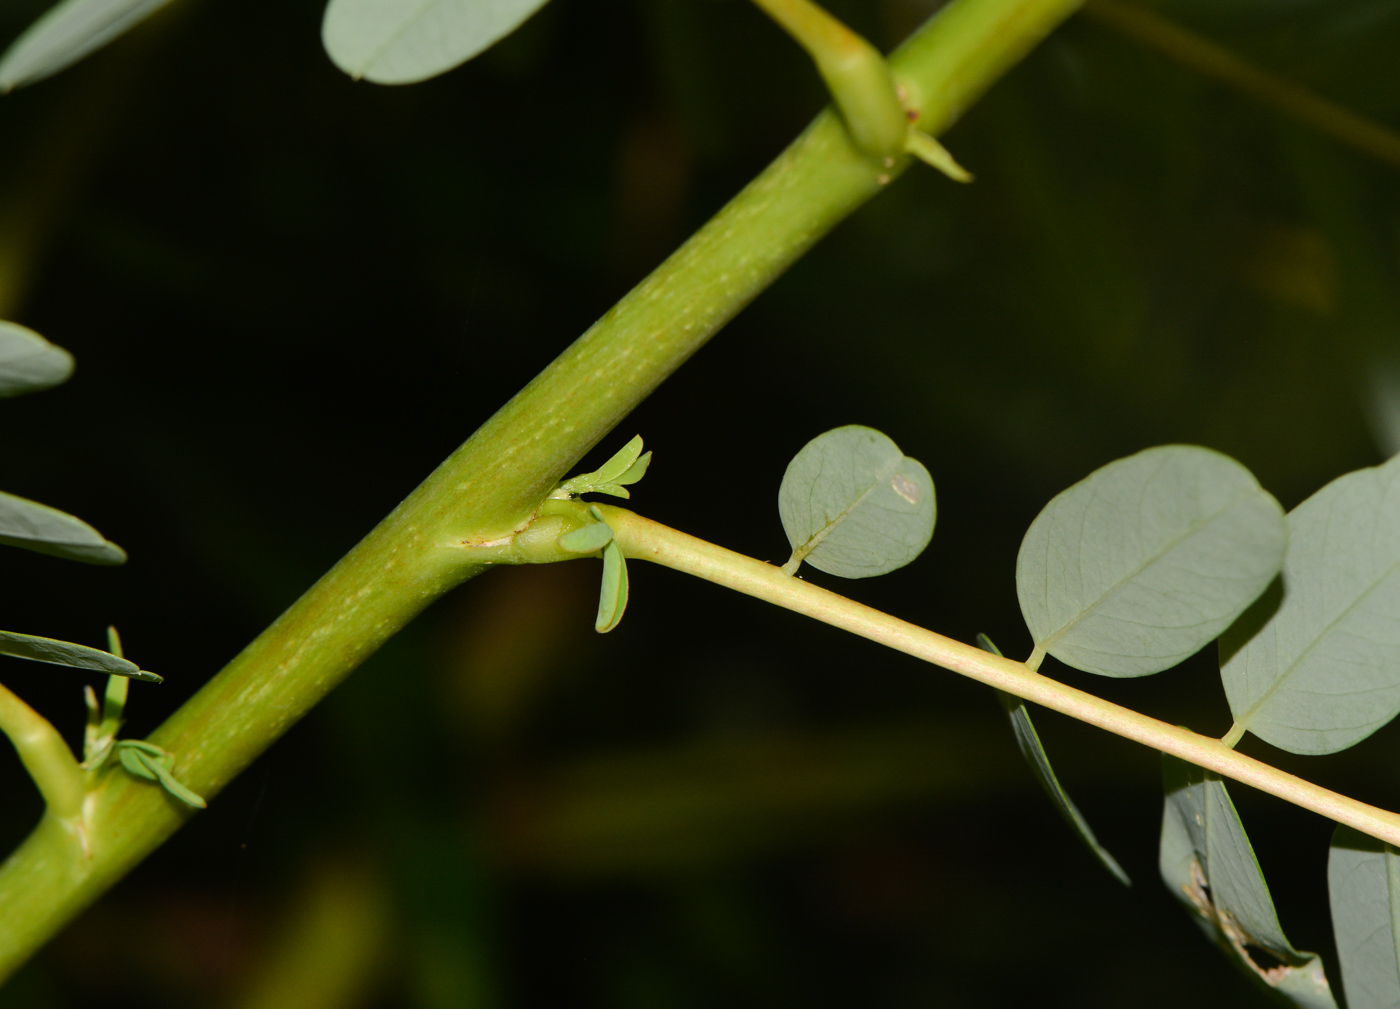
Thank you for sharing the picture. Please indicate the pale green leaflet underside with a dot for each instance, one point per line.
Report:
(403, 41)
(1028, 740)
(1363, 882)
(65, 653)
(65, 34)
(1321, 671)
(28, 362)
(1208, 864)
(854, 505)
(45, 530)
(1148, 559)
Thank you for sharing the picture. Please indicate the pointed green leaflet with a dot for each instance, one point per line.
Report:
(1363, 881)
(1208, 864)
(65, 653)
(1028, 740)
(1146, 560)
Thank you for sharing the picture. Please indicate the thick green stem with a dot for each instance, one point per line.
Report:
(448, 528)
(646, 540)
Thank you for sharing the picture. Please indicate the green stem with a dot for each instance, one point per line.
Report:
(857, 75)
(643, 539)
(458, 520)
(46, 757)
(1212, 60)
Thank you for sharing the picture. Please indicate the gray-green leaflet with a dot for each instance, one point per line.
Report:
(1028, 740)
(1208, 864)
(1363, 881)
(854, 505)
(1315, 666)
(65, 653)
(1145, 561)
(403, 41)
(28, 362)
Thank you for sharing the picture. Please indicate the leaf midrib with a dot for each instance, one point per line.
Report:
(1244, 720)
(804, 551)
(1166, 549)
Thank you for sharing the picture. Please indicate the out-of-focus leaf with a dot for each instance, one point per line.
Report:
(45, 530)
(1034, 751)
(1318, 669)
(65, 653)
(1139, 565)
(403, 41)
(28, 362)
(66, 33)
(1363, 881)
(1208, 864)
(854, 505)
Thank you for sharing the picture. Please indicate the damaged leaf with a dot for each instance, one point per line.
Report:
(854, 505)
(1208, 864)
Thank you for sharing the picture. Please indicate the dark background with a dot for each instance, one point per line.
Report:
(291, 295)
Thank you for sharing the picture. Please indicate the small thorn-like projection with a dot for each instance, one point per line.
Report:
(931, 152)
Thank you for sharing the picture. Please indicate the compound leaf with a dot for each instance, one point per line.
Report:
(66, 33)
(1363, 881)
(854, 505)
(403, 41)
(65, 653)
(45, 530)
(1028, 740)
(1315, 666)
(1208, 864)
(1139, 565)
(28, 362)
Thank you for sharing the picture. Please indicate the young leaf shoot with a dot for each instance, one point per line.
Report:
(854, 505)
(1318, 670)
(1028, 740)
(1363, 882)
(403, 41)
(1145, 561)
(29, 363)
(626, 467)
(150, 763)
(1208, 864)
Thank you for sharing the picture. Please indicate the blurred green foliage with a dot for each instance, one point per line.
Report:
(290, 296)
